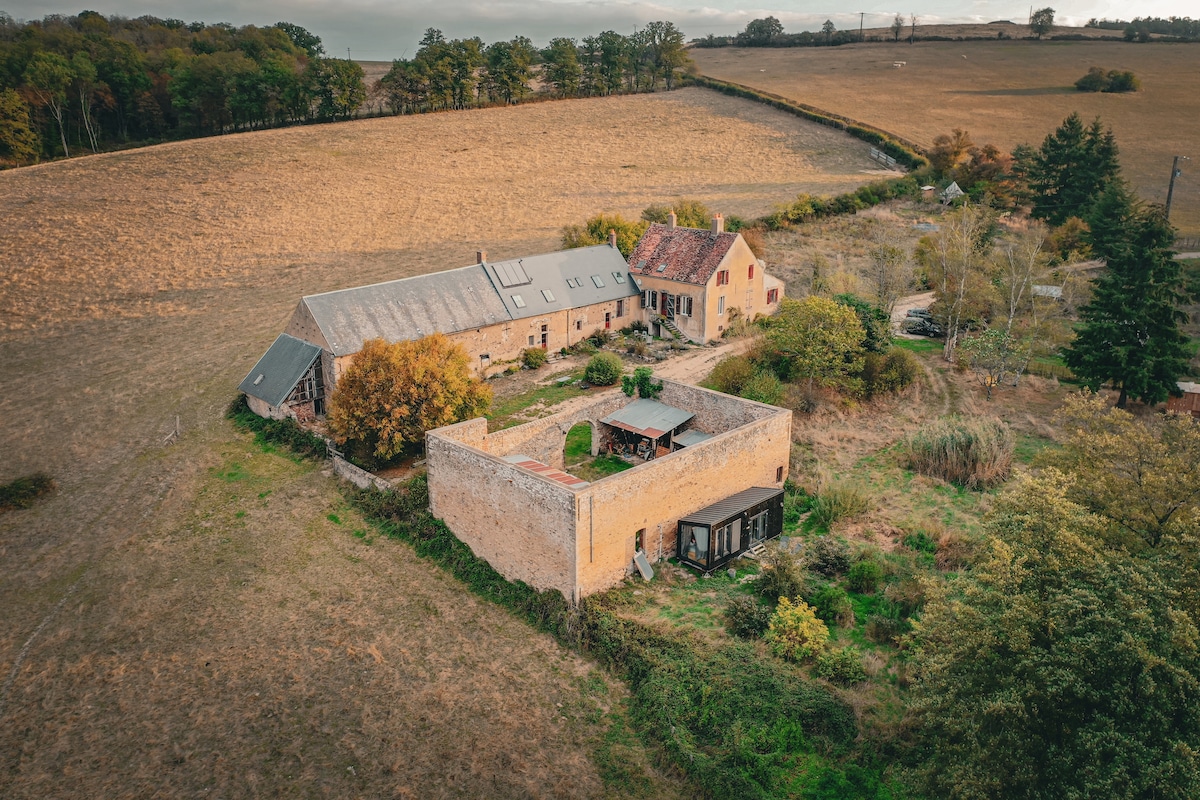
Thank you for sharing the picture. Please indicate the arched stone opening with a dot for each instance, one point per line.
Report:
(580, 444)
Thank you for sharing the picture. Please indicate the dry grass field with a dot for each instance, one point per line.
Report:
(1003, 92)
(203, 618)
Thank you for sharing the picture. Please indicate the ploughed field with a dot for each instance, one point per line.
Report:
(190, 615)
(1002, 92)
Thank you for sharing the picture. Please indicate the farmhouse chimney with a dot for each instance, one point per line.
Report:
(718, 224)
(612, 238)
(672, 220)
(481, 256)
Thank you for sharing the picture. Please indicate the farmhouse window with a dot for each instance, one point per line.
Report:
(683, 305)
(750, 275)
(727, 539)
(720, 305)
(531, 341)
(620, 308)
(723, 277)
(772, 296)
(548, 295)
(696, 537)
(618, 277)
(596, 279)
(518, 301)
(654, 299)
(578, 324)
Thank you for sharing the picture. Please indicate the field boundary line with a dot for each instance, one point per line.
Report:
(904, 150)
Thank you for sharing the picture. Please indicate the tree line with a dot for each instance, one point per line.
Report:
(84, 83)
(460, 73)
(1140, 28)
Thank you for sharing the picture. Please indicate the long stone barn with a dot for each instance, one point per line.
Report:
(507, 495)
(686, 282)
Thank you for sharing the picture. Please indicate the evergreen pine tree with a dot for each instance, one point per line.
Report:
(1130, 333)
(1071, 169)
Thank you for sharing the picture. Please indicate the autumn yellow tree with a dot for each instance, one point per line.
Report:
(392, 393)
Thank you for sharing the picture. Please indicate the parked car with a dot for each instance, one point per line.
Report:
(920, 322)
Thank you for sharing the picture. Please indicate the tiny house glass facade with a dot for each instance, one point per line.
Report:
(713, 536)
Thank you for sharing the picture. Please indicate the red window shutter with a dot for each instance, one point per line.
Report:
(751, 275)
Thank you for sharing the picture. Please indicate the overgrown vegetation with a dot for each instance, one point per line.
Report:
(24, 491)
(1097, 80)
(604, 369)
(974, 453)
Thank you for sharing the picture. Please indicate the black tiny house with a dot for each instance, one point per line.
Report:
(713, 536)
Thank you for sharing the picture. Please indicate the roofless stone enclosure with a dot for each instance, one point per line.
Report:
(553, 531)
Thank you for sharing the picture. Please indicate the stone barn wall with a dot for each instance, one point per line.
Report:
(581, 541)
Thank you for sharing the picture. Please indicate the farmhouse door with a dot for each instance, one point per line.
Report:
(545, 336)
(669, 306)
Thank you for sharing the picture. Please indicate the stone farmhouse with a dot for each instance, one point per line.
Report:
(685, 282)
(694, 282)
(715, 472)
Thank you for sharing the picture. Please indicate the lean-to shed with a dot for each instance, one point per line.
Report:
(713, 536)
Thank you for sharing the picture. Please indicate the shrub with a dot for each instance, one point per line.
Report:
(920, 541)
(604, 369)
(794, 631)
(886, 630)
(865, 576)
(975, 453)
(954, 551)
(795, 502)
(21, 492)
(747, 616)
(782, 575)
(839, 501)
(533, 357)
(637, 348)
(1119, 81)
(833, 605)
(891, 372)
(764, 388)
(907, 596)
(641, 383)
(828, 556)
(1096, 80)
(731, 374)
(843, 667)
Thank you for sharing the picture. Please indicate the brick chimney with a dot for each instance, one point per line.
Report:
(672, 220)
(481, 256)
(612, 238)
(718, 224)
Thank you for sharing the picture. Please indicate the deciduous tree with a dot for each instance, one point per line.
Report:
(1041, 22)
(561, 67)
(18, 142)
(955, 261)
(1055, 668)
(595, 231)
(822, 340)
(392, 393)
(48, 77)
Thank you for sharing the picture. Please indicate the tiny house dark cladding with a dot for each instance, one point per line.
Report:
(714, 536)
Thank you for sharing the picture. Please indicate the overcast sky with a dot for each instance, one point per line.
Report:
(386, 29)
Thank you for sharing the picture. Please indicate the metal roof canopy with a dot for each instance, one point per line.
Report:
(280, 369)
(648, 418)
(731, 506)
(691, 437)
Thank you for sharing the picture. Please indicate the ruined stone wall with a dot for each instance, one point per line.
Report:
(520, 523)
(655, 495)
(544, 439)
(715, 412)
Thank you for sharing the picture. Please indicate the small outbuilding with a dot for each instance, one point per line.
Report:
(714, 536)
(951, 193)
(1188, 402)
(287, 381)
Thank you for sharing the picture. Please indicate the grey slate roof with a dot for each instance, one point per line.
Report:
(280, 369)
(566, 279)
(730, 506)
(648, 418)
(446, 302)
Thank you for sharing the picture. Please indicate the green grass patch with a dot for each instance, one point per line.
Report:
(579, 443)
(919, 345)
(601, 467)
(514, 410)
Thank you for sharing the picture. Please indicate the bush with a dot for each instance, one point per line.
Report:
(794, 631)
(828, 556)
(839, 501)
(1119, 81)
(747, 616)
(954, 551)
(1096, 80)
(764, 388)
(782, 575)
(843, 667)
(21, 492)
(833, 605)
(604, 369)
(533, 357)
(975, 453)
(886, 630)
(731, 374)
(920, 541)
(865, 576)
(601, 337)
(889, 373)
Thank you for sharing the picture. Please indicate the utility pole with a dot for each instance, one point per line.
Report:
(861, 14)
(1175, 173)
(347, 53)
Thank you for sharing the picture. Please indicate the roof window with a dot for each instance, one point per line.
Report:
(574, 283)
(596, 279)
(549, 295)
(518, 301)
(618, 277)
(662, 267)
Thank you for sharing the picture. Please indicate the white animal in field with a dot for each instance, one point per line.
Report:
(964, 55)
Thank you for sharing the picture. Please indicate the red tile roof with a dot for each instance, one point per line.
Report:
(691, 254)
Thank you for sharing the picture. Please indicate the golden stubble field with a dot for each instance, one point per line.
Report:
(201, 618)
(1003, 92)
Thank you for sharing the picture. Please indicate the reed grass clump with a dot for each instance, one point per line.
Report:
(973, 453)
